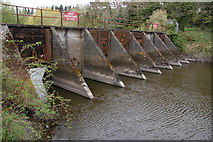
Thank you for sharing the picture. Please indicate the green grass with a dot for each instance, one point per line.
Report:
(198, 42)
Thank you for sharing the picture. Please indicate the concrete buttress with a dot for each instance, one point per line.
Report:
(11, 59)
(67, 76)
(121, 60)
(144, 61)
(181, 58)
(172, 60)
(148, 46)
(96, 65)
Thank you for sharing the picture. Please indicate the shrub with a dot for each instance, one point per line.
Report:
(176, 37)
(20, 102)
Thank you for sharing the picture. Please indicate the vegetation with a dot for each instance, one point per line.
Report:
(24, 114)
(198, 42)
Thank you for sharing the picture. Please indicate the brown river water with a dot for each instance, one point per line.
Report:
(173, 106)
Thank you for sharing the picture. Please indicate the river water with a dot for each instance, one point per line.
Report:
(173, 106)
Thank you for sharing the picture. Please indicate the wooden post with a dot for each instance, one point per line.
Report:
(47, 45)
(41, 18)
(92, 22)
(61, 18)
(17, 16)
(78, 20)
(104, 22)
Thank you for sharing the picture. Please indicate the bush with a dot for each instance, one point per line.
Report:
(21, 104)
(177, 38)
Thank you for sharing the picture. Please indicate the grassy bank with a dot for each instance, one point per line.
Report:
(24, 115)
(194, 42)
(198, 43)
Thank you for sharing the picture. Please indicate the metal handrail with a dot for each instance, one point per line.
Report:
(79, 19)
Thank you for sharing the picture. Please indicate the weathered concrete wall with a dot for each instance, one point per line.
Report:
(67, 76)
(163, 49)
(73, 40)
(121, 60)
(115, 52)
(180, 56)
(96, 65)
(140, 56)
(36, 76)
(148, 46)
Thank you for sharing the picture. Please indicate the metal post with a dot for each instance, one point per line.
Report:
(61, 18)
(78, 20)
(17, 16)
(41, 18)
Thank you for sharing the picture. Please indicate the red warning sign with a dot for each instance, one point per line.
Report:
(155, 26)
(70, 16)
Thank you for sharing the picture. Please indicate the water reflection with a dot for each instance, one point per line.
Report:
(172, 106)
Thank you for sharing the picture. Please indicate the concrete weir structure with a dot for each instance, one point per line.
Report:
(97, 54)
(86, 56)
(121, 61)
(181, 58)
(172, 60)
(148, 46)
(135, 50)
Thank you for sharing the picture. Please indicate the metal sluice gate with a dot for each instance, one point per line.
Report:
(98, 54)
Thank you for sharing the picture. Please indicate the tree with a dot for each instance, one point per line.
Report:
(181, 11)
(203, 16)
(147, 10)
(9, 17)
(159, 17)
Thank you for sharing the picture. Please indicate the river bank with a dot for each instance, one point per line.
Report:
(198, 44)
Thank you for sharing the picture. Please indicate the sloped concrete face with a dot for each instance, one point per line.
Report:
(148, 46)
(73, 40)
(144, 61)
(67, 76)
(6, 35)
(96, 65)
(135, 50)
(163, 49)
(121, 60)
(36, 76)
(180, 56)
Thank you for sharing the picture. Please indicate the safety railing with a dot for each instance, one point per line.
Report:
(12, 14)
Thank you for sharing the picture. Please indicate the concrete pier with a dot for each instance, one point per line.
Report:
(67, 76)
(148, 46)
(96, 65)
(121, 61)
(180, 56)
(172, 60)
(135, 50)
